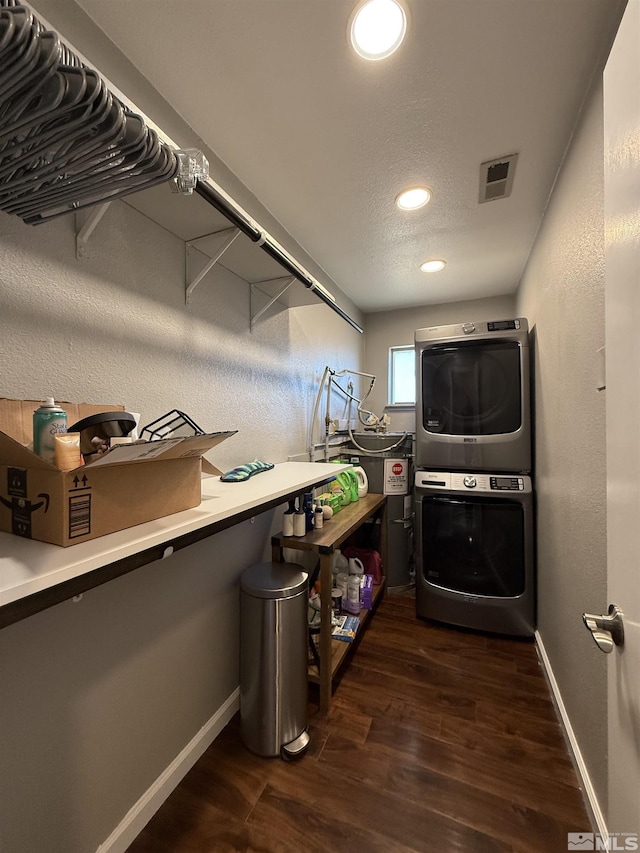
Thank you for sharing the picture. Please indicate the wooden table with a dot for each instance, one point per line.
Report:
(324, 542)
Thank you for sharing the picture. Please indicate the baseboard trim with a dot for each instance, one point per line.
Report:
(589, 791)
(149, 803)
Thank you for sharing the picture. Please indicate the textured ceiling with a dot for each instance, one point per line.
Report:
(326, 140)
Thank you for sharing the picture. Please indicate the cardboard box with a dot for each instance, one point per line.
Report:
(366, 592)
(129, 485)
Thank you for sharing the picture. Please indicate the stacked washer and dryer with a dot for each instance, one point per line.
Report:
(475, 564)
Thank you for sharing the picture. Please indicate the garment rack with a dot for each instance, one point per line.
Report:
(211, 192)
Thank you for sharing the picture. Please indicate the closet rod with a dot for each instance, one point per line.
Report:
(275, 253)
(210, 195)
(215, 196)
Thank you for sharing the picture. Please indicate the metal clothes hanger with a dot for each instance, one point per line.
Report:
(66, 142)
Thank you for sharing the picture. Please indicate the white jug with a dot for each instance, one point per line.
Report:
(342, 581)
(352, 602)
(355, 566)
(363, 481)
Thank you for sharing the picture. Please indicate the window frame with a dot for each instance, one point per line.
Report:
(392, 378)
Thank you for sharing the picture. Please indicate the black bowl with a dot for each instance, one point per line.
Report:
(105, 425)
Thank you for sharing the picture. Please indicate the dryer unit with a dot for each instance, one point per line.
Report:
(473, 397)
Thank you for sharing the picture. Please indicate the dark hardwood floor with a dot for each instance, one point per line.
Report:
(438, 739)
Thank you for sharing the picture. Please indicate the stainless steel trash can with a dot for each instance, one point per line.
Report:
(273, 659)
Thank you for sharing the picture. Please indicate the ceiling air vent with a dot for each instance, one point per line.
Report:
(496, 178)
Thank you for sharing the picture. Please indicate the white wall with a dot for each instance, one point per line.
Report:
(562, 294)
(100, 696)
(386, 329)
(622, 312)
(113, 328)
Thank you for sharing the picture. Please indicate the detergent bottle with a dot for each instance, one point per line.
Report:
(344, 481)
(363, 481)
(353, 484)
(356, 566)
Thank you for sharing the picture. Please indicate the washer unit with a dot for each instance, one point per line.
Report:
(473, 397)
(475, 550)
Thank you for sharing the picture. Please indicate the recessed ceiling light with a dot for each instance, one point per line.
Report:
(377, 28)
(413, 198)
(434, 265)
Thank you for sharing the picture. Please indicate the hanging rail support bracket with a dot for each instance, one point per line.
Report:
(256, 317)
(230, 235)
(86, 224)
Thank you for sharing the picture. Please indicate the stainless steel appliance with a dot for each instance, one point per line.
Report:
(273, 659)
(475, 550)
(398, 487)
(473, 397)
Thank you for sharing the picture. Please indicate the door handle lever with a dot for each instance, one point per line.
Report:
(607, 631)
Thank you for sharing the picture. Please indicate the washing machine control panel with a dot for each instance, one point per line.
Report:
(507, 484)
(454, 481)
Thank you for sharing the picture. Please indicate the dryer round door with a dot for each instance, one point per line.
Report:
(474, 545)
(472, 389)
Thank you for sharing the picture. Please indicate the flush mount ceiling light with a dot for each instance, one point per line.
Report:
(413, 198)
(434, 265)
(377, 28)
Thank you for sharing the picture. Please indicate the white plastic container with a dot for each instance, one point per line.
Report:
(287, 524)
(299, 523)
(340, 563)
(355, 566)
(363, 481)
(352, 604)
(341, 581)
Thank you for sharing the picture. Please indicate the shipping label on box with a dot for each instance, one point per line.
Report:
(78, 500)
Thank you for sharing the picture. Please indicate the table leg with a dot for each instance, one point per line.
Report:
(325, 632)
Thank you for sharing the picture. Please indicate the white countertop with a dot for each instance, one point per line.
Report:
(27, 566)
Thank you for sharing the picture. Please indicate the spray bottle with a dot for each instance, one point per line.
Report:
(287, 519)
(48, 420)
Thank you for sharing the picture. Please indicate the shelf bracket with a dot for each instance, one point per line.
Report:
(255, 317)
(86, 224)
(229, 235)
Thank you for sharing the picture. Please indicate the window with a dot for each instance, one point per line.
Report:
(402, 376)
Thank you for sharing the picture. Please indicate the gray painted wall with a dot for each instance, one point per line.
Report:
(100, 696)
(562, 294)
(105, 693)
(386, 329)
